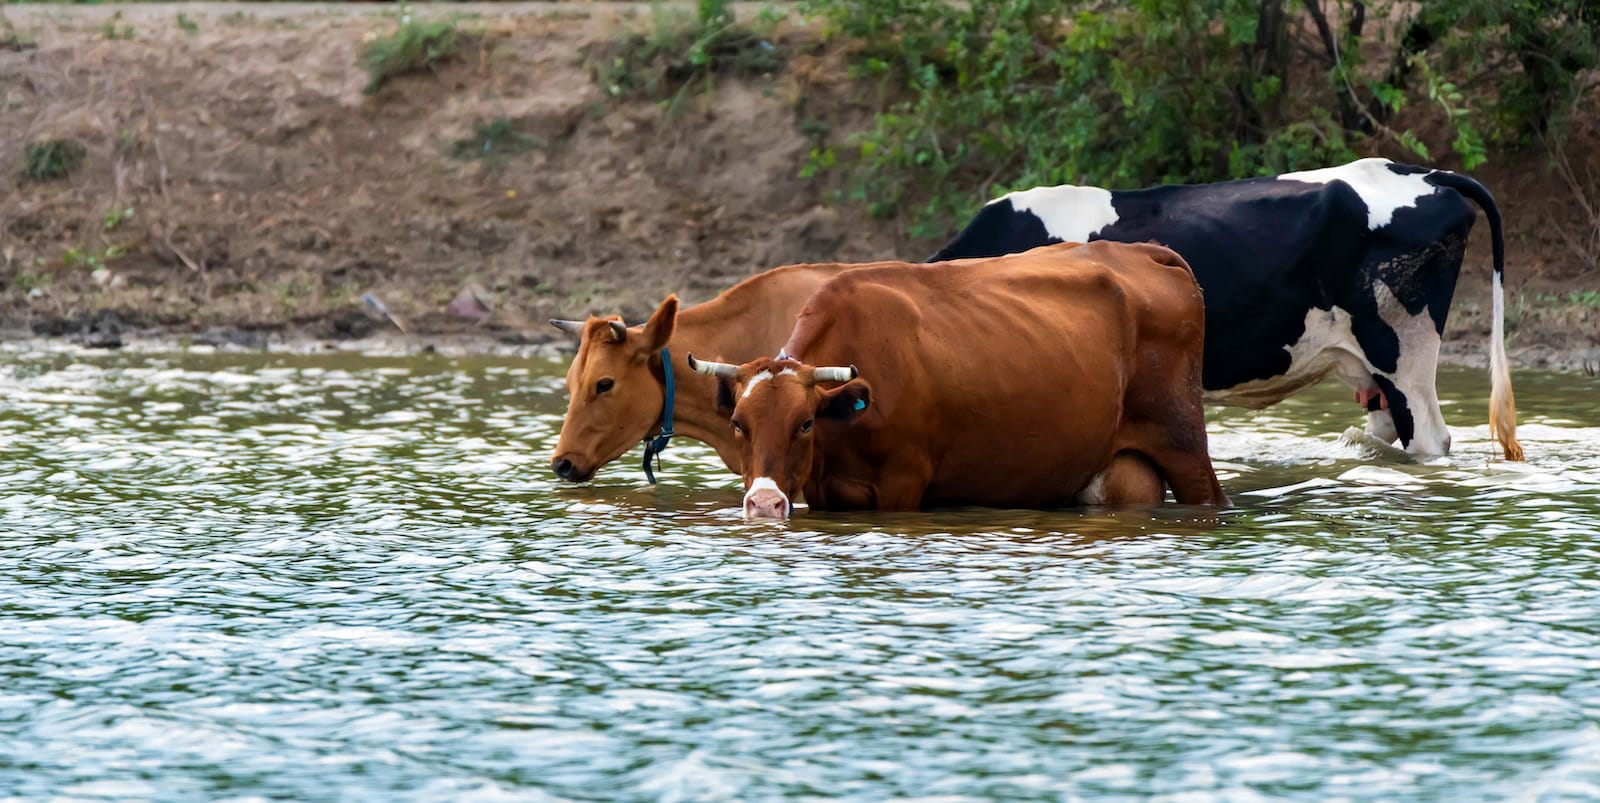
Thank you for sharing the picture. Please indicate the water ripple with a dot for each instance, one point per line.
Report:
(336, 577)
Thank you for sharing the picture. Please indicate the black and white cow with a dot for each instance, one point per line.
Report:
(1347, 270)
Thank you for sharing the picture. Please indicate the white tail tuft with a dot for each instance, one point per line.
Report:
(1502, 405)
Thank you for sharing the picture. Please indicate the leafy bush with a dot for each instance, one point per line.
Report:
(415, 46)
(995, 95)
(680, 51)
(52, 159)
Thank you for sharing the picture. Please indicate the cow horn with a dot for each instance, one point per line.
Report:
(570, 327)
(619, 331)
(835, 374)
(718, 369)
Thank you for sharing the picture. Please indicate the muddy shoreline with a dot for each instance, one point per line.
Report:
(538, 345)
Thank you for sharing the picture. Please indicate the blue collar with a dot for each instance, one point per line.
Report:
(654, 447)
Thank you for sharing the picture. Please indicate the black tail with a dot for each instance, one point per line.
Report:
(1479, 194)
(1502, 405)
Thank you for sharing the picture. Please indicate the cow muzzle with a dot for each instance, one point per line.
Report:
(765, 500)
(568, 469)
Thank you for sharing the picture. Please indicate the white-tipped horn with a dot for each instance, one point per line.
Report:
(717, 369)
(570, 327)
(835, 374)
(619, 331)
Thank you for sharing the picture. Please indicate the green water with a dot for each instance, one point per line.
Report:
(321, 577)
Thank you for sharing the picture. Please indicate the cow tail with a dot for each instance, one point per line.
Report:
(1502, 404)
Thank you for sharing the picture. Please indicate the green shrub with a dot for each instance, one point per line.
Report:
(680, 51)
(52, 159)
(415, 46)
(994, 95)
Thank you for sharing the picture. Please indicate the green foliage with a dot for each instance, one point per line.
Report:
(1004, 94)
(52, 159)
(993, 95)
(187, 25)
(116, 217)
(1573, 298)
(492, 142)
(113, 29)
(89, 259)
(679, 52)
(415, 46)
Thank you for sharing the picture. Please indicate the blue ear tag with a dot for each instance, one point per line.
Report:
(861, 404)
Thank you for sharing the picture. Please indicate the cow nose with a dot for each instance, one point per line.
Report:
(563, 468)
(766, 504)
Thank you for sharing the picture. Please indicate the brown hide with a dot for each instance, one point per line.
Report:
(1014, 381)
(750, 319)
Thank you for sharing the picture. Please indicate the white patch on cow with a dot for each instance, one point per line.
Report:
(1381, 189)
(766, 484)
(1069, 213)
(755, 380)
(1326, 346)
(1416, 372)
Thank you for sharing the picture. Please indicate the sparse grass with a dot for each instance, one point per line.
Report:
(116, 217)
(188, 25)
(1574, 298)
(492, 142)
(415, 46)
(113, 29)
(76, 257)
(52, 159)
(10, 39)
(679, 51)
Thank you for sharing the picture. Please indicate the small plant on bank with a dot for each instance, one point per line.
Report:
(679, 52)
(10, 39)
(91, 259)
(187, 25)
(492, 142)
(415, 46)
(116, 217)
(113, 29)
(52, 159)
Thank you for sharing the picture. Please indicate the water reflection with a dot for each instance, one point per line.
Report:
(342, 577)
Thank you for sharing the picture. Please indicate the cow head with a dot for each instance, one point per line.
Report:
(774, 406)
(615, 389)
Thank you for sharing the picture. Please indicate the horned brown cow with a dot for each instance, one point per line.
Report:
(1066, 374)
(617, 384)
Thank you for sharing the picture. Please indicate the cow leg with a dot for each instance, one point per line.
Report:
(1380, 423)
(1129, 480)
(1169, 427)
(902, 483)
(1404, 350)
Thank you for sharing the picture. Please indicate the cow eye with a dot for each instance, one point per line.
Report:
(737, 428)
(603, 385)
(805, 426)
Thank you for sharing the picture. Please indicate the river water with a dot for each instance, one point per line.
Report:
(336, 576)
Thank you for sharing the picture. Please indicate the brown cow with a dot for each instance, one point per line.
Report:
(1066, 374)
(616, 384)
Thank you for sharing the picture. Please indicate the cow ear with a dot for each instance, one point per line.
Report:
(724, 397)
(658, 330)
(846, 401)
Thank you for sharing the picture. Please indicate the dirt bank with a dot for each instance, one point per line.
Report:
(237, 185)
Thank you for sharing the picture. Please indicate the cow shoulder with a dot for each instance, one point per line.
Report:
(855, 308)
